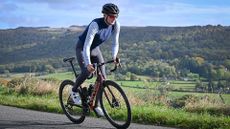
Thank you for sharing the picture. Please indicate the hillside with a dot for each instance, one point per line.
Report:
(210, 42)
(23, 44)
(29, 49)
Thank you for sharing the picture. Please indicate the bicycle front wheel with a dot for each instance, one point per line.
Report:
(72, 111)
(115, 105)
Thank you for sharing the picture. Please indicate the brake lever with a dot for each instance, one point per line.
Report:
(118, 60)
(115, 68)
(119, 64)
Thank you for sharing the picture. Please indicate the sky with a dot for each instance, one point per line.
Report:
(65, 13)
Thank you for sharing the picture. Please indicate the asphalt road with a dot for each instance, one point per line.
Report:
(16, 118)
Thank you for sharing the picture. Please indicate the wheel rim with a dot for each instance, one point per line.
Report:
(74, 112)
(116, 108)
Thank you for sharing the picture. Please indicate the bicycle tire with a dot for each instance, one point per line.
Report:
(73, 112)
(111, 116)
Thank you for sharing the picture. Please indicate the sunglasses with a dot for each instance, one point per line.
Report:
(112, 16)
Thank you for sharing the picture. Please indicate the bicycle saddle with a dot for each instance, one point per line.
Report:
(68, 59)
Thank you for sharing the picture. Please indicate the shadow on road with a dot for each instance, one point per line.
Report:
(46, 124)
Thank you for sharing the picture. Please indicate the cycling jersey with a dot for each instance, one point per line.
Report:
(96, 33)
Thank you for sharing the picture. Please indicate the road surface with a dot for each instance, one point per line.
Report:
(16, 118)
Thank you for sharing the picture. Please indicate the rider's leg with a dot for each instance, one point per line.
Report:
(84, 72)
(81, 77)
(99, 59)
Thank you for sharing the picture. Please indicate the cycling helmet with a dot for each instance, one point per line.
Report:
(110, 9)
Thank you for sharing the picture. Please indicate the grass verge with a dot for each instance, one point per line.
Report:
(148, 114)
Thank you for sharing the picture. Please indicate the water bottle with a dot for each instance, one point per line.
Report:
(90, 89)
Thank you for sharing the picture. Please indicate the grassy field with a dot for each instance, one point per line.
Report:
(174, 84)
(59, 76)
(149, 106)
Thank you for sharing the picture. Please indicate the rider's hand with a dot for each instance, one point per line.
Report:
(90, 68)
(116, 61)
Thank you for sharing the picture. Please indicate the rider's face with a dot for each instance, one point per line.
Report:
(111, 19)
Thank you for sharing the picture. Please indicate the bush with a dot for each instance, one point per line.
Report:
(133, 77)
(119, 77)
(29, 85)
(218, 111)
(182, 101)
(3, 82)
(15, 82)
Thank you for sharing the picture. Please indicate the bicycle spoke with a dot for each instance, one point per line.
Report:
(113, 100)
(106, 95)
(72, 111)
(116, 106)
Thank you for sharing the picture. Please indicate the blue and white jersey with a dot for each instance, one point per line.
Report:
(96, 33)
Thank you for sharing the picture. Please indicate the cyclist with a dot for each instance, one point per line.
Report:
(87, 47)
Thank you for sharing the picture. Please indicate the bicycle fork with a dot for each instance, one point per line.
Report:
(114, 102)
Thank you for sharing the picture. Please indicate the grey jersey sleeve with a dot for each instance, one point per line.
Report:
(92, 30)
(115, 44)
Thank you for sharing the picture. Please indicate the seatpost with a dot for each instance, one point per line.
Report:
(71, 62)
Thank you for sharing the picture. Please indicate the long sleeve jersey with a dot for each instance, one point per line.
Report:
(96, 33)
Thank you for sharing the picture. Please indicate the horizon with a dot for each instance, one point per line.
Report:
(121, 26)
(134, 13)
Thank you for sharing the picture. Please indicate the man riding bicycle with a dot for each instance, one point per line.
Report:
(87, 47)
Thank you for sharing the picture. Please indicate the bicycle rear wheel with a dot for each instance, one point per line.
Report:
(72, 111)
(115, 105)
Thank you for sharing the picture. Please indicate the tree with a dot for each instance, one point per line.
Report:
(49, 68)
(128, 75)
(119, 77)
(133, 77)
(227, 64)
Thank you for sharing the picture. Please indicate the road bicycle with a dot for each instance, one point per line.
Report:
(112, 98)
